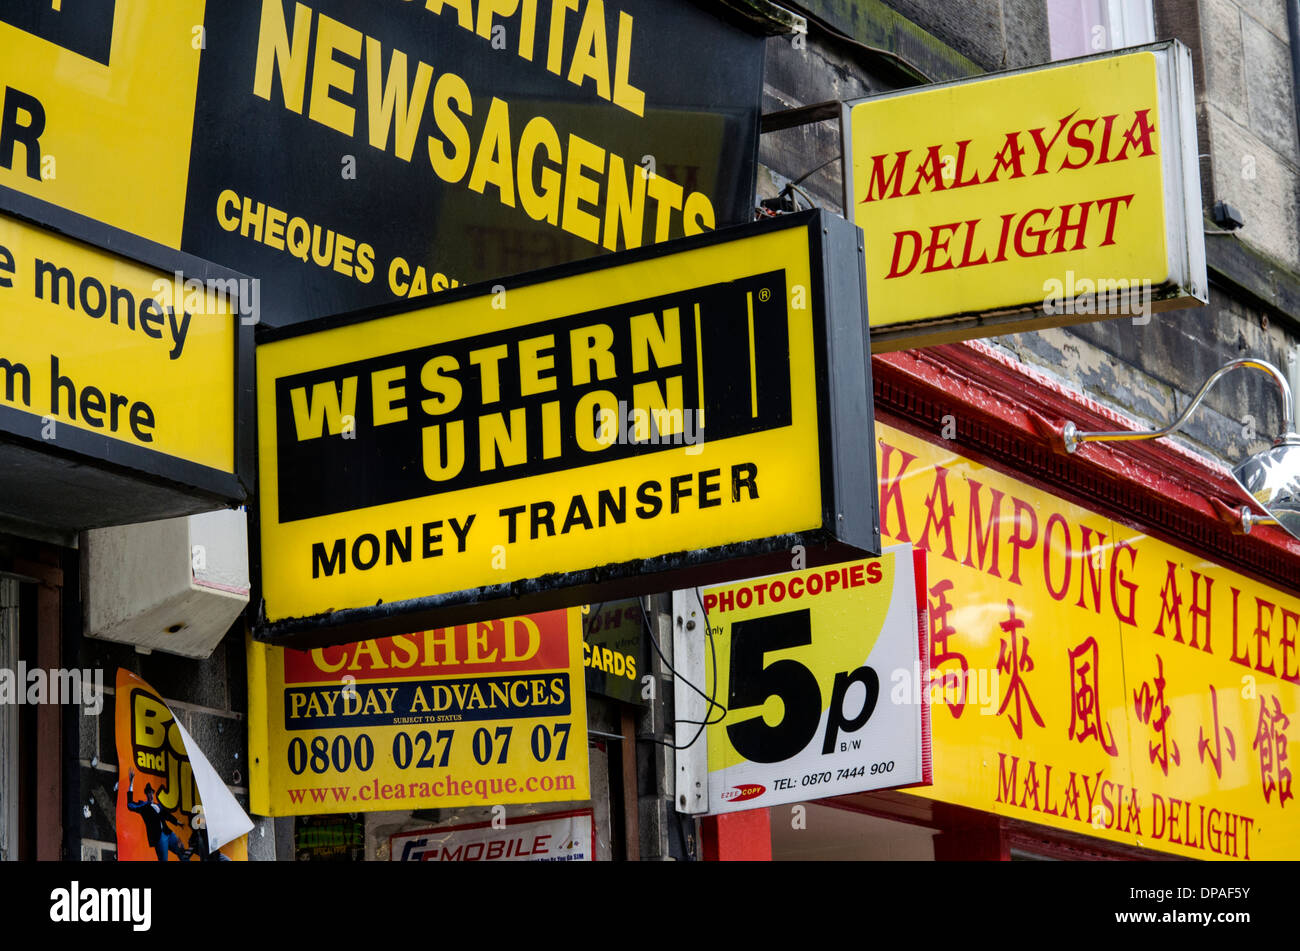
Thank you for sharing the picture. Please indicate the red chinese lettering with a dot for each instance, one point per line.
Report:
(1154, 712)
(1085, 692)
(940, 654)
(1270, 740)
(1203, 745)
(1013, 660)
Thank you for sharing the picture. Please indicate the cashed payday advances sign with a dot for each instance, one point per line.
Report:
(802, 662)
(1031, 198)
(385, 149)
(1091, 678)
(608, 423)
(492, 712)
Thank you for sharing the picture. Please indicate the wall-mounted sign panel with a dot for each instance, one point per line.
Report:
(549, 837)
(473, 715)
(120, 374)
(804, 667)
(386, 150)
(671, 411)
(614, 650)
(1034, 198)
(1091, 678)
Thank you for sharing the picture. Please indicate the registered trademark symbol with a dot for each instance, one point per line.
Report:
(764, 294)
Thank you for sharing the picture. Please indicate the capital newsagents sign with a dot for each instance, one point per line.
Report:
(385, 150)
(1029, 199)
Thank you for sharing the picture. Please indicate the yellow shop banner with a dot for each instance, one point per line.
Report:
(1088, 677)
(108, 346)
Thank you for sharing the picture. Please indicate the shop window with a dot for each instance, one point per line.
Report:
(1083, 27)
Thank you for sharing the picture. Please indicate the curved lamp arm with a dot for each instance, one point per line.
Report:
(1073, 438)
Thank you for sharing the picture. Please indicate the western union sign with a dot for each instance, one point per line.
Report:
(701, 402)
(1030, 199)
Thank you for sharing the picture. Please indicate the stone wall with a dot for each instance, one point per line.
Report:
(1247, 134)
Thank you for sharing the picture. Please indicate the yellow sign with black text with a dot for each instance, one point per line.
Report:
(485, 713)
(1092, 678)
(104, 345)
(1030, 199)
(384, 149)
(605, 418)
(87, 126)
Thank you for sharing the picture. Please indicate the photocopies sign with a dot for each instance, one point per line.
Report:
(1031, 198)
(660, 413)
(804, 669)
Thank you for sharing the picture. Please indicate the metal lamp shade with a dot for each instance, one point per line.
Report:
(1272, 478)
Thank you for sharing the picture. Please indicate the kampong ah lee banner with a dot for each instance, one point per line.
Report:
(1089, 677)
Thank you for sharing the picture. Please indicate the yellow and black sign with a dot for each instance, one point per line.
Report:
(614, 421)
(118, 374)
(385, 150)
(488, 712)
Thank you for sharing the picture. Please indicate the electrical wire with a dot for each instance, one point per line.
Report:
(711, 700)
(650, 633)
(807, 175)
(713, 666)
(793, 187)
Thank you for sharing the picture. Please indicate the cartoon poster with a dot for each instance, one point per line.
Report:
(171, 804)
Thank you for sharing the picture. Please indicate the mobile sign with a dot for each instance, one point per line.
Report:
(492, 712)
(801, 668)
(388, 149)
(1029, 199)
(577, 434)
(121, 374)
(550, 837)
